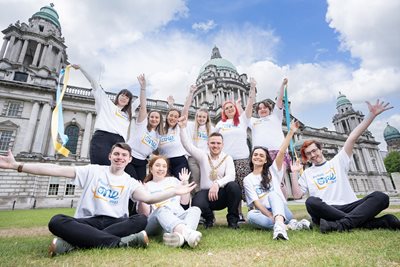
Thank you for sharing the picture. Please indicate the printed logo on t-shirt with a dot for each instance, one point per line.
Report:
(165, 202)
(227, 126)
(322, 181)
(108, 193)
(149, 141)
(121, 114)
(167, 139)
(201, 136)
(261, 192)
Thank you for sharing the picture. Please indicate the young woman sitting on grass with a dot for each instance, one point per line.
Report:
(173, 216)
(263, 193)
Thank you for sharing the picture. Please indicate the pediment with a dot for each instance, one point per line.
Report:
(8, 124)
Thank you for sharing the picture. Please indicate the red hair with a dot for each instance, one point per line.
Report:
(236, 120)
(306, 144)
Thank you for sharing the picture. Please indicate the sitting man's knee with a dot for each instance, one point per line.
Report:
(313, 201)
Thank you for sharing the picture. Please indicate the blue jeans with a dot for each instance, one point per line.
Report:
(164, 219)
(278, 207)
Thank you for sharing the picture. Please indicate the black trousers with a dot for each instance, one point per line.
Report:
(176, 164)
(352, 215)
(228, 197)
(100, 146)
(98, 231)
(137, 169)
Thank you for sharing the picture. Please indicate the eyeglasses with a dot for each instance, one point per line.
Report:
(228, 107)
(311, 152)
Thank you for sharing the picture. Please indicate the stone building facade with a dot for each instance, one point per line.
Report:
(31, 57)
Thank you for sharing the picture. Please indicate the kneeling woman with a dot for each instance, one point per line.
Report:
(179, 225)
(263, 193)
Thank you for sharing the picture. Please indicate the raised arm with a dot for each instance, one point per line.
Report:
(296, 190)
(294, 125)
(252, 98)
(187, 144)
(279, 100)
(374, 110)
(95, 85)
(47, 169)
(188, 102)
(143, 109)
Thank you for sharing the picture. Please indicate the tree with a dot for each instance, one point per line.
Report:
(392, 162)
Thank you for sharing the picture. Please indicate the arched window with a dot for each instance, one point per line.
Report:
(72, 131)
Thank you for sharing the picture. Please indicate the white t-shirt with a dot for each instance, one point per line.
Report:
(267, 131)
(170, 144)
(254, 190)
(329, 181)
(173, 203)
(103, 192)
(235, 137)
(143, 142)
(199, 138)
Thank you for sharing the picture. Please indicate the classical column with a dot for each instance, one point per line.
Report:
(3, 48)
(57, 63)
(37, 53)
(10, 46)
(31, 128)
(41, 133)
(16, 50)
(23, 52)
(364, 152)
(48, 61)
(86, 136)
(42, 59)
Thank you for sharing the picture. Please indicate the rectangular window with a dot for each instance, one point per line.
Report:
(13, 109)
(69, 189)
(5, 140)
(21, 77)
(54, 184)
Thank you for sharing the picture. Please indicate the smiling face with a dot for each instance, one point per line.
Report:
(229, 110)
(201, 117)
(259, 157)
(119, 158)
(263, 110)
(172, 118)
(159, 169)
(123, 100)
(314, 154)
(154, 119)
(215, 145)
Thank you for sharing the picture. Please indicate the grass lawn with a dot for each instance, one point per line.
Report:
(24, 239)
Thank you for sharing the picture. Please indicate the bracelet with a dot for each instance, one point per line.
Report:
(20, 166)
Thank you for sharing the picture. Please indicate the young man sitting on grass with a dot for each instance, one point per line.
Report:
(332, 204)
(101, 218)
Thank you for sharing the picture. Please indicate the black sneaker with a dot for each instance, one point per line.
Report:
(233, 225)
(59, 246)
(208, 224)
(241, 219)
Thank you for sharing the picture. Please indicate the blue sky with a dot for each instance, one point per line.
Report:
(323, 47)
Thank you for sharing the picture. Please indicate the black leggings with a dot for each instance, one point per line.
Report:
(137, 169)
(98, 231)
(176, 164)
(100, 146)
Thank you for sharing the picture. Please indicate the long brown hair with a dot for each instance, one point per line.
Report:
(166, 126)
(128, 107)
(159, 129)
(153, 159)
(265, 173)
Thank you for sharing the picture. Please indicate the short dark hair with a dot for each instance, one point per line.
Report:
(216, 134)
(266, 104)
(122, 145)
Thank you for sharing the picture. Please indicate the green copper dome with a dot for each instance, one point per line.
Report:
(218, 61)
(48, 13)
(391, 133)
(342, 100)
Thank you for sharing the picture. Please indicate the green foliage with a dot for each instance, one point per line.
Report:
(392, 162)
(219, 246)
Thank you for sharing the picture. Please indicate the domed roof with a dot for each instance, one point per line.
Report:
(391, 133)
(48, 13)
(342, 100)
(218, 61)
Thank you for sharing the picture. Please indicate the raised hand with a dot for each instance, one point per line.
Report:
(379, 107)
(296, 166)
(294, 125)
(171, 101)
(184, 189)
(184, 175)
(8, 161)
(285, 82)
(142, 81)
(182, 121)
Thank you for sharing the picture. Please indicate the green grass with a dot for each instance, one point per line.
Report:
(220, 246)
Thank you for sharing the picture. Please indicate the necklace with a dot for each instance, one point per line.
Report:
(214, 170)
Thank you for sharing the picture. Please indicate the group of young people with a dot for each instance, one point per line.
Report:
(195, 168)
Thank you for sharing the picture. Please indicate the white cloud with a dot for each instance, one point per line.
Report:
(204, 26)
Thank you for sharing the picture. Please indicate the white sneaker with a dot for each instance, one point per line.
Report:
(173, 239)
(280, 231)
(299, 225)
(192, 237)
